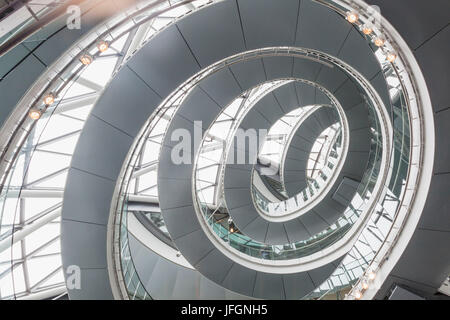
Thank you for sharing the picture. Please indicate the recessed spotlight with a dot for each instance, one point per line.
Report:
(49, 99)
(103, 45)
(366, 29)
(352, 17)
(391, 57)
(357, 295)
(364, 285)
(378, 42)
(371, 275)
(35, 114)
(86, 59)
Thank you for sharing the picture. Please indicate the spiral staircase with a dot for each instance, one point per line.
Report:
(234, 149)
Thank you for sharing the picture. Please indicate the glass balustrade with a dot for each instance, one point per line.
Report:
(228, 233)
(133, 284)
(381, 223)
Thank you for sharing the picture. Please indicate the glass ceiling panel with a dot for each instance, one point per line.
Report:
(41, 168)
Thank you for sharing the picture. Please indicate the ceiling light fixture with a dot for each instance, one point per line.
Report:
(358, 295)
(86, 59)
(366, 29)
(49, 99)
(103, 45)
(35, 114)
(364, 285)
(371, 275)
(391, 57)
(378, 42)
(352, 17)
